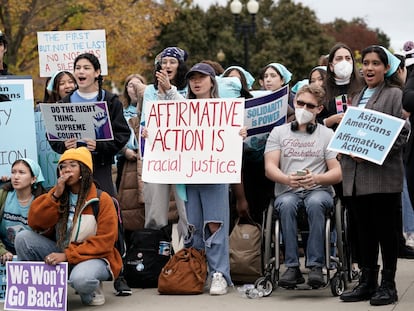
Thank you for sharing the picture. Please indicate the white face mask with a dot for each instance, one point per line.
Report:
(303, 116)
(343, 70)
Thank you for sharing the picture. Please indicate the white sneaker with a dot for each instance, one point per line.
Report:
(98, 296)
(218, 284)
(410, 240)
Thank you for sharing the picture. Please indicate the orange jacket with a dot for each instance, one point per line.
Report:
(90, 237)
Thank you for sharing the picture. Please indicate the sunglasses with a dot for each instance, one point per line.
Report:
(308, 105)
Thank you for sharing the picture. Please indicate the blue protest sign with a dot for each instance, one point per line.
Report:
(366, 133)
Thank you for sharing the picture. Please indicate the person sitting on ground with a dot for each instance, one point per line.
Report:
(297, 160)
(70, 230)
(16, 195)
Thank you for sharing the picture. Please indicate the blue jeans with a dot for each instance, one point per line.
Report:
(407, 210)
(84, 277)
(315, 202)
(210, 204)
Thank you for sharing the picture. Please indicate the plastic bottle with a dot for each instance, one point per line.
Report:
(254, 293)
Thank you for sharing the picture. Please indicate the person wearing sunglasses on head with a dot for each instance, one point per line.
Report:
(297, 160)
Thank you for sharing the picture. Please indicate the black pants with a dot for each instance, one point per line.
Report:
(376, 218)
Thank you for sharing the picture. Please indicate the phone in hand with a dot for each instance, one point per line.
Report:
(301, 172)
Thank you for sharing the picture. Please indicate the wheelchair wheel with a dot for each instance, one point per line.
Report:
(338, 284)
(264, 284)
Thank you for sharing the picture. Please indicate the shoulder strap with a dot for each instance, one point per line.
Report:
(3, 196)
(95, 205)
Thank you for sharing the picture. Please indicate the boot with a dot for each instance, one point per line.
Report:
(368, 284)
(387, 293)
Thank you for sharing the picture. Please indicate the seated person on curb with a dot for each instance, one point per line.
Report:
(65, 228)
(297, 160)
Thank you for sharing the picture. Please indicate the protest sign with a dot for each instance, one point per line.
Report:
(58, 49)
(262, 114)
(36, 286)
(17, 87)
(77, 120)
(17, 133)
(193, 141)
(366, 133)
(47, 158)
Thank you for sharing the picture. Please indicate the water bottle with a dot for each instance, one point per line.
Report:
(243, 289)
(254, 293)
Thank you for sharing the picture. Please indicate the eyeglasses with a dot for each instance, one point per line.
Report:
(308, 105)
(71, 165)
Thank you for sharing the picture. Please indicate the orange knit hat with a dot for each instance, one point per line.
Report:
(81, 154)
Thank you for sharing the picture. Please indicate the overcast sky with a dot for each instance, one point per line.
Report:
(394, 17)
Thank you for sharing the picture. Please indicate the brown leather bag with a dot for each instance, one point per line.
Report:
(184, 274)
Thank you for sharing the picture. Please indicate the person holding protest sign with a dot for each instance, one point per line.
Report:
(61, 84)
(65, 228)
(373, 195)
(207, 205)
(304, 170)
(3, 50)
(170, 83)
(87, 72)
(15, 198)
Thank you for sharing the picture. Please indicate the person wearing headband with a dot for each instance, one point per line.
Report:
(169, 83)
(367, 187)
(60, 84)
(15, 198)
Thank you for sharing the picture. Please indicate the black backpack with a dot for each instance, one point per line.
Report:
(120, 242)
(147, 254)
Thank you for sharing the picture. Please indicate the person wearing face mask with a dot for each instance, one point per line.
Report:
(342, 82)
(297, 160)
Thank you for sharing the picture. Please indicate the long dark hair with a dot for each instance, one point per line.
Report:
(394, 79)
(355, 83)
(86, 183)
(54, 95)
(96, 65)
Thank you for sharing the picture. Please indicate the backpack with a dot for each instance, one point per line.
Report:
(120, 244)
(149, 251)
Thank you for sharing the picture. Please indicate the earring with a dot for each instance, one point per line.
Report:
(80, 177)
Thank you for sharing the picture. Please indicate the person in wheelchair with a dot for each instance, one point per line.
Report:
(297, 160)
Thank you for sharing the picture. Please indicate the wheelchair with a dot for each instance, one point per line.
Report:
(271, 250)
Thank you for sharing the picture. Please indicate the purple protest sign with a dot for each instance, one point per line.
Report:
(36, 286)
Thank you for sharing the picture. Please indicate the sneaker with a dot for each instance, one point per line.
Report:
(409, 241)
(121, 287)
(291, 278)
(315, 277)
(98, 296)
(218, 284)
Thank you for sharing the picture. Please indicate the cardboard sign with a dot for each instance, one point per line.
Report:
(366, 133)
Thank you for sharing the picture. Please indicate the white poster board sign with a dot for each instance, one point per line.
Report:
(58, 49)
(194, 141)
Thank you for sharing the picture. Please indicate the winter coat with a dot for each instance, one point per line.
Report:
(91, 237)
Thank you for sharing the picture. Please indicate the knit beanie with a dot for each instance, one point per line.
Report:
(81, 154)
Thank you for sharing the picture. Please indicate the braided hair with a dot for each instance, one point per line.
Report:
(86, 183)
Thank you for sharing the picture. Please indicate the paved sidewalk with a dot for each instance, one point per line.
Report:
(280, 299)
